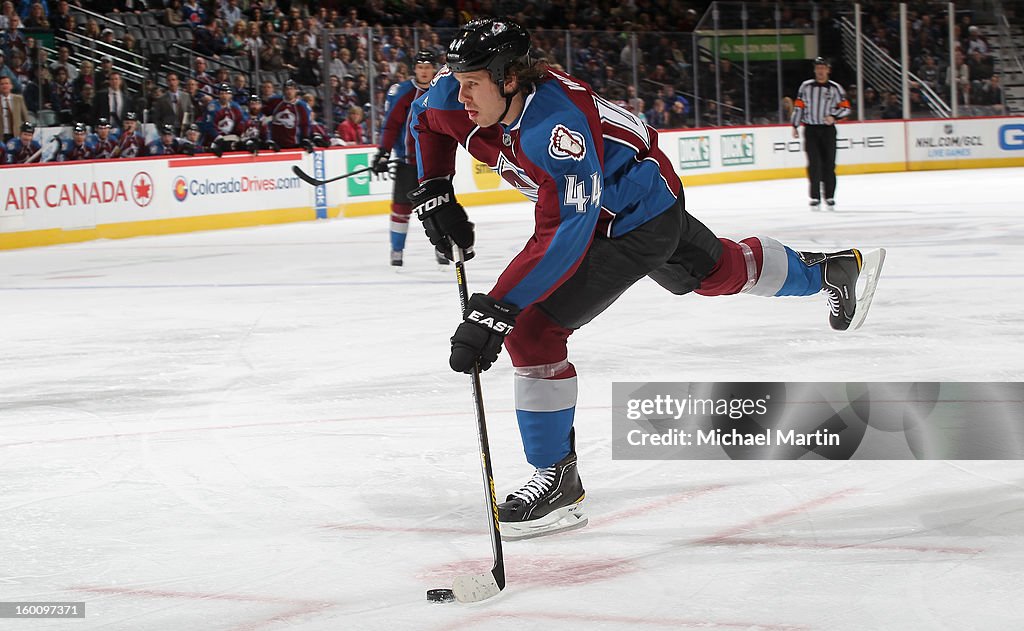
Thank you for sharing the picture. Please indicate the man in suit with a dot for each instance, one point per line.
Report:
(175, 107)
(13, 113)
(113, 102)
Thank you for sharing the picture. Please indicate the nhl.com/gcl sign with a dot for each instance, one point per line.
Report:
(137, 189)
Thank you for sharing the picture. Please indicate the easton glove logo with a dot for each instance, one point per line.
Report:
(566, 144)
(432, 203)
(499, 327)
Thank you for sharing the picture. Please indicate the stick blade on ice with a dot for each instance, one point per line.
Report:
(473, 589)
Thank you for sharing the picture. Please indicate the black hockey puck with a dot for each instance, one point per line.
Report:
(440, 595)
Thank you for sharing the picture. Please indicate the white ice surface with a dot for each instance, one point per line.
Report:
(257, 430)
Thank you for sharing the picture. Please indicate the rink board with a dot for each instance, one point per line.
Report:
(64, 203)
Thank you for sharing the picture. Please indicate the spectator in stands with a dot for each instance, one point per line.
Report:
(8, 15)
(236, 39)
(82, 109)
(61, 95)
(292, 55)
(337, 67)
(975, 42)
(174, 107)
(85, 77)
(359, 64)
(231, 13)
(193, 13)
(308, 72)
(37, 17)
(173, 13)
(271, 59)
(63, 61)
(102, 76)
(196, 94)
(362, 89)
(352, 130)
(9, 74)
(209, 39)
(62, 20)
(199, 73)
(677, 115)
(240, 85)
(991, 93)
(107, 37)
(962, 75)
(92, 29)
(980, 66)
(929, 73)
(892, 108)
(13, 112)
(657, 116)
(268, 91)
(114, 102)
(22, 69)
(130, 45)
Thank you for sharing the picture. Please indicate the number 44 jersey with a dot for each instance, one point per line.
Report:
(590, 166)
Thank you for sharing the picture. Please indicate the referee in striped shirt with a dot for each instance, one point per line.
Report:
(819, 103)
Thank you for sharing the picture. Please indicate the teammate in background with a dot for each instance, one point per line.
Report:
(318, 136)
(392, 154)
(254, 130)
(167, 145)
(103, 143)
(3, 154)
(819, 104)
(290, 117)
(223, 119)
(24, 149)
(193, 143)
(132, 143)
(609, 210)
(79, 149)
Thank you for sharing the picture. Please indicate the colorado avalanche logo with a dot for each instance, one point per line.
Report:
(566, 144)
(285, 118)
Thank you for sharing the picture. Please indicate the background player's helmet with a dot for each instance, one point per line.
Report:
(166, 129)
(255, 98)
(425, 57)
(131, 116)
(821, 61)
(491, 45)
(223, 87)
(28, 127)
(79, 128)
(102, 123)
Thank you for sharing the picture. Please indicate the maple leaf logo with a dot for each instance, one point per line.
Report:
(142, 189)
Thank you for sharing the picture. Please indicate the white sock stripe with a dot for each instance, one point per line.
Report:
(751, 262)
(543, 371)
(545, 395)
(774, 268)
(400, 226)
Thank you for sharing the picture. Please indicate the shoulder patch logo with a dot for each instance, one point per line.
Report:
(566, 144)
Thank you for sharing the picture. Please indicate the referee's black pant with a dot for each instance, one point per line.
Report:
(820, 144)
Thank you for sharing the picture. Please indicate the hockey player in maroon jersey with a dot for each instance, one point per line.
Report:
(132, 143)
(394, 139)
(167, 145)
(24, 149)
(79, 148)
(609, 210)
(290, 117)
(254, 130)
(103, 143)
(223, 120)
(193, 143)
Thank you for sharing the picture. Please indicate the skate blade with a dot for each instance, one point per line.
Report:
(562, 520)
(870, 272)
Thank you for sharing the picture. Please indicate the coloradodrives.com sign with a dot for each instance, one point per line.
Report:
(358, 185)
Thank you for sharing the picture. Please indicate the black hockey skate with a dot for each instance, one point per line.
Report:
(396, 258)
(552, 501)
(839, 274)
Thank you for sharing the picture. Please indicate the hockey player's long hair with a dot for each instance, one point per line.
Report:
(529, 73)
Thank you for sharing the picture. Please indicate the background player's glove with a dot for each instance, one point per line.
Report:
(380, 162)
(188, 149)
(252, 146)
(271, 145)
(307, 144)
(443, 218)
(478, 339)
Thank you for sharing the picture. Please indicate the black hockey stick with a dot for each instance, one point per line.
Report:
(469, 589)
(312, 181)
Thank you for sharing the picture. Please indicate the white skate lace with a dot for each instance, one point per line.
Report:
(833, 301)
(538, 485)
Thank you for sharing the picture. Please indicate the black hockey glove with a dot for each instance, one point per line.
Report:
(380, 162)
(307, 144)
(479, 337)
(444, 219)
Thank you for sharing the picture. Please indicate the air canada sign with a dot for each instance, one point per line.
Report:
(137, 189)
